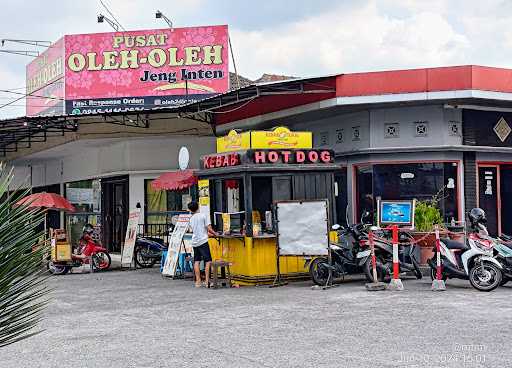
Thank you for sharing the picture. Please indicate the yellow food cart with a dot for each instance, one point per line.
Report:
(238, 186)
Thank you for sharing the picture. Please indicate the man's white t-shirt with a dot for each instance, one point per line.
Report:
(199, 224)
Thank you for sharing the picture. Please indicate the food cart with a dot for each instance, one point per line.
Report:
(240, 183)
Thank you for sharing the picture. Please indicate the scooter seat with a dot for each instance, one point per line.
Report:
(453, 244)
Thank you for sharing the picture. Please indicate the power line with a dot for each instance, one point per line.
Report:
(29, 94)
(112, 15)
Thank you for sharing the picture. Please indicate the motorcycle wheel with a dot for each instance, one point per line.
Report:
(319, 273)
(368, 270)
(141, 261)
(57, 269)
(485, 276)
(101, 261)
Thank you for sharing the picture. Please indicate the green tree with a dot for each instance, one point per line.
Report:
(23, 290)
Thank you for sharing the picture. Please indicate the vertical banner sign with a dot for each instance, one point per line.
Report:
(45, 82)
(204, 196)
(131, 235)
(173, 251)
(137, 70)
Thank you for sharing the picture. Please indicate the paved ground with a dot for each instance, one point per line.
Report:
(137, 319)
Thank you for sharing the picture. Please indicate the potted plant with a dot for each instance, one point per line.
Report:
(426, 216)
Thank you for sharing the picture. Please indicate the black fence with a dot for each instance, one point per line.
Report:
(160, 231)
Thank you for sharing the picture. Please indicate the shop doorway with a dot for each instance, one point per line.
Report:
(115, 212)
(495, 196)
(488, 196)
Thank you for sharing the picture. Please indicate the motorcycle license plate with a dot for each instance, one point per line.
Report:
(366, 253)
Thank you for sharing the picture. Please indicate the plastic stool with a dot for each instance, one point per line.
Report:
(224, 265)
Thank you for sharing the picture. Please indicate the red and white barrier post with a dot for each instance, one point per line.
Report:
(374, 259)
(395, 284)
(375, 285)
(438, 283)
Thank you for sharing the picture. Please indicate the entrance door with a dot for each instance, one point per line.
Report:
(488, 196)
(115, 212)
(506, 198)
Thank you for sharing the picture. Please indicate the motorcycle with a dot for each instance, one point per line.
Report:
(353, 254)
(473, 260)
(86, 249)
(345, 256)
(384, 256)
(148, 251)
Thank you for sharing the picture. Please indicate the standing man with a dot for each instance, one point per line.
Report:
(201, 229)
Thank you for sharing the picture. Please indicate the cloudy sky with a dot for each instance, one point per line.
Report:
(292, 37)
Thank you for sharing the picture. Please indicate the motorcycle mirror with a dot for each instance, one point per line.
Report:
(374, 228)
(336, 227)
(364, 215)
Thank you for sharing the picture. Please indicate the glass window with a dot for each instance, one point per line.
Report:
(161, 205)
(85, 195)
(228, 195)
(421, 181)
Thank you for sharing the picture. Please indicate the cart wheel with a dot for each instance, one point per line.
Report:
(56, 269)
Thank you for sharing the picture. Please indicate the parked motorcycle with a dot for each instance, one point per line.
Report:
(352, 254)
(346, 255)
(148, 251)
(86, 249)
(384, 256)
(473, 260)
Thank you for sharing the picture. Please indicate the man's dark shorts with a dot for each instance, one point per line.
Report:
(202, 253)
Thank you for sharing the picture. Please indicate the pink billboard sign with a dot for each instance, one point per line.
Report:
(130, 71)
(45, 82)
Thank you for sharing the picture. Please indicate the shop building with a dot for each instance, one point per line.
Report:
(398, 134)
(106, 169)
(394, 135)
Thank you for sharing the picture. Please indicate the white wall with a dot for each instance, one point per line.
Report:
(140, 158)
(87, 159)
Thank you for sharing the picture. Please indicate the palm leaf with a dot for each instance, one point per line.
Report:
(24, 293)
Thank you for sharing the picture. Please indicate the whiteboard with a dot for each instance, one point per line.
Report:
(303, 227)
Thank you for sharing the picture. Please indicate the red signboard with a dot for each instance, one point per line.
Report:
(45, 82)
(295, 156)
(214, 161)
(142, 69)
(129, 71)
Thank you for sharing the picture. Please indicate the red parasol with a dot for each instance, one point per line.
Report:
(175, 180)
(50, 201)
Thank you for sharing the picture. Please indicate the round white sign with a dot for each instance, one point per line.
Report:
(183, 158)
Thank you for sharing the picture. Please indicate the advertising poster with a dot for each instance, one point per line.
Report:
(133, 70)
(45, 82)
(204, 196)
(234, 141)
(131, 235)
(281, 137)
(173, 251)
(396, 212)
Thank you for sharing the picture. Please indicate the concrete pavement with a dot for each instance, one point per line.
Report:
(137, 319)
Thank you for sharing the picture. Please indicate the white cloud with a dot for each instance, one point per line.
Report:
(358, 39)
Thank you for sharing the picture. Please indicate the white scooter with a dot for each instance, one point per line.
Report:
(474, 261)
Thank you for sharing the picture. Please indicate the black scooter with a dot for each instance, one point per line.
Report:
(148, 251)
(346, 255)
